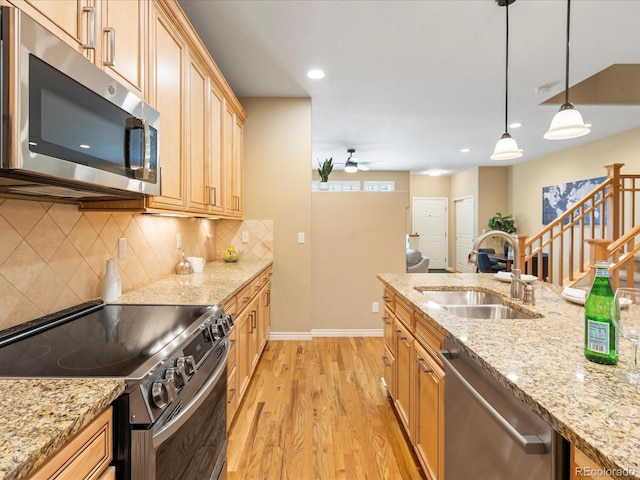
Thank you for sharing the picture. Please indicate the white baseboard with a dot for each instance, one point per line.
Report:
(316, 333)
(372, 332)
(290, 336)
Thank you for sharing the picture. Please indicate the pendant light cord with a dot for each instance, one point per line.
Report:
(506, 69)
(566, 76)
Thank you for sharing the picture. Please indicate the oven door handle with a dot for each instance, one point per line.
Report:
(179, 420)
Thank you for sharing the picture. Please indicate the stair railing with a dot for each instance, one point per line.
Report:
(601, 226)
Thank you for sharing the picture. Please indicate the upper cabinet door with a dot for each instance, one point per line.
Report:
(196, 125)
(123, 41)
(168, 57)
(76, 22)
(215, 175)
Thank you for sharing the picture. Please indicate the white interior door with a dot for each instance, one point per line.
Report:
(431, 223)
(464, 233)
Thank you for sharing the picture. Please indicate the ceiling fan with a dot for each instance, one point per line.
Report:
(352, 164)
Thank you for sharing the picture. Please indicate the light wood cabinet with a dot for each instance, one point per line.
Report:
(404, 367)
(124, 41)
(110, 33)
(388, 358)
(85, 456)
(429, 413)
(251, 308)
(264, 317)
(168, 58)
(197, 126)
(76, 22)
(583, 468)
(215, 174)
(243, 327)
(415, 380)
(232, 169)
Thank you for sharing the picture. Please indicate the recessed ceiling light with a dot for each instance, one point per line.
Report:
(435, 173)
(465, 150)
(515, 125)
(82, 145)
(315, 74)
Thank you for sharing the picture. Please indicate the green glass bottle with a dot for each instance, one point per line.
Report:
(600, 335)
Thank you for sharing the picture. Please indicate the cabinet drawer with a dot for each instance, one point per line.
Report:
(388, 360)
(387, 297)
(404, 313)
(244, 297)
(387, 318)
(86, 455)
(428, 336)
(265, 276)
(230, 307)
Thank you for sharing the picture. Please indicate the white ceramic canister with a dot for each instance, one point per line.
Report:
(111, 283)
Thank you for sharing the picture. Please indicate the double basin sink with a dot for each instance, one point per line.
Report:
(473, 304)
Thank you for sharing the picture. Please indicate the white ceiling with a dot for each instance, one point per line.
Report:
(410, 83)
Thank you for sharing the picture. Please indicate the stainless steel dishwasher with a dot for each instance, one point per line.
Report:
(489, 433)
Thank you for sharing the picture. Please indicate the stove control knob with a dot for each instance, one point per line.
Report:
(186, 365)
(221, 331)
(229, 320)
(163, 393)
(175, 376)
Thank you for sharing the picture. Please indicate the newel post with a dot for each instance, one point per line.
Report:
(613, 214)
(598, 251)
(521, 239)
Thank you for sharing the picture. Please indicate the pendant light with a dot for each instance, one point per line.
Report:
(567, 123)
(506, 148)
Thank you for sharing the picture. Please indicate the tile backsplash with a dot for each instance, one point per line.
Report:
(53, 256)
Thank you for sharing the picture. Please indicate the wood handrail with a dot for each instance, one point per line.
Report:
(573, 242)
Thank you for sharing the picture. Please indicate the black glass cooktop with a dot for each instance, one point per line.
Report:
(112, 341)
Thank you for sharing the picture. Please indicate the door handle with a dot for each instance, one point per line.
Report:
(530, 444)
(111, 59)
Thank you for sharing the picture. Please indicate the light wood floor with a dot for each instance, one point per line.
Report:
(315, 410)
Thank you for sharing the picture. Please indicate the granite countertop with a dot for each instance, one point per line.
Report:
(541, 360)
(38, 416)
(218, 282)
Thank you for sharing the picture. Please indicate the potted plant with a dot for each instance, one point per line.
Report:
(505, 224)
(324, 170)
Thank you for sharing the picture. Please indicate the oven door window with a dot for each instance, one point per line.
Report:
(70, 122)
(198, 449)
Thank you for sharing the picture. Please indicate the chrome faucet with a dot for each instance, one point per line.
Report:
(516, 292)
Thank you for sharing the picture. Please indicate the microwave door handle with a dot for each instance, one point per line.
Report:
(134, 123)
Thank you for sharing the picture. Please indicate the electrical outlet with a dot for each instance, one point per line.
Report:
(300, 237)
(375, 307)
(178, 240)
(122, 247)
(245, 237)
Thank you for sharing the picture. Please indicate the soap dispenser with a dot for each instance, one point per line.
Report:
(183, 267)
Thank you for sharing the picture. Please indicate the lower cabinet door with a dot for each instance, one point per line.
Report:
(429, 417)
(403, 378)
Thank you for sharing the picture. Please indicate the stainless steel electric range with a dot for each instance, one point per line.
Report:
(170, 424)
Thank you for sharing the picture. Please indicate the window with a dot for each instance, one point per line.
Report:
(380, 186)
(338, 186)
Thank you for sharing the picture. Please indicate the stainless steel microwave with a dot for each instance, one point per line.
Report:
(70, 132)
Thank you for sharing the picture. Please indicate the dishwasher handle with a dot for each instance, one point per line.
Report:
(530, 444)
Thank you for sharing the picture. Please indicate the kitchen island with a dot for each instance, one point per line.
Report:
(541, 361)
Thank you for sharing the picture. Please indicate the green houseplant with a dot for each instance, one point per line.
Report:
(324, 170)
(505, 224)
